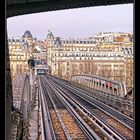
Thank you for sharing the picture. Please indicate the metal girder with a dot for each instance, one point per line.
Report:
(22, 7)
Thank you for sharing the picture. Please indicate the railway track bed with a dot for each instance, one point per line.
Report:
(64, 125)
(72, 127)
(127, 133)
(114, 124)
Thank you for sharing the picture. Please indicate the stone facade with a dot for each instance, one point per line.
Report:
(21, 50)
(19, 53)
(111, 59)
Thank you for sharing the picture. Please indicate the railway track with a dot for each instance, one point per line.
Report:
(127, 121)
(122, 130)
(64, 124)
(57, 109)
(118, 103)
(47, 129)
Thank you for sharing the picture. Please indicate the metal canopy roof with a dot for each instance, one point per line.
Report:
(21, 7)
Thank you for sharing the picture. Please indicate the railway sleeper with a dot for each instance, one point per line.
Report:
(97, 124)
(96, 121)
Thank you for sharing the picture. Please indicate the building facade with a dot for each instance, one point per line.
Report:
(20, 50)
(102, 55)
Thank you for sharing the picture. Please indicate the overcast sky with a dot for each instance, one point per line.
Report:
(80, 22)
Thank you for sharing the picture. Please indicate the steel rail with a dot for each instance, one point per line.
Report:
(48, 129)
(87, 130)
(109, 132)
(110, 96)
(125, 120)
(59, 116)
(123, 136)
(49, 119)
(128, 122)
(103, 93)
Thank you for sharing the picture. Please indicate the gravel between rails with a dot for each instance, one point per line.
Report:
(128, 134)
(74, 131)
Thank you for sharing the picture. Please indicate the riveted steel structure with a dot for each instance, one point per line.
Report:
(101, 84)
(21, 7)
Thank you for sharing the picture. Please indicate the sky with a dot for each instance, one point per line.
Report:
(78, 22)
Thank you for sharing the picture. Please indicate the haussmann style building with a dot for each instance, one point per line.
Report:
(108, 55)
